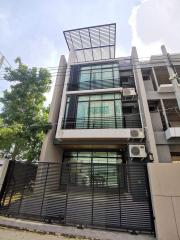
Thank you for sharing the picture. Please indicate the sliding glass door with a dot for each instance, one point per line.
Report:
(99, 111)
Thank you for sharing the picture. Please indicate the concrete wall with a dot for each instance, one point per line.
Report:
(143, 106)
(160, 138)
(148, 85)
(165, 193)
(49, 151)
(101, 134)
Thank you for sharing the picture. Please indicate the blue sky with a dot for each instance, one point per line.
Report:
(33, 29)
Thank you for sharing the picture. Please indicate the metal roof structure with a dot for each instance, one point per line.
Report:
(92, 43)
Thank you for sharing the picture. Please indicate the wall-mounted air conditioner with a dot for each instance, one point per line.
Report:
(137, 133)
(129, 92)
(137, 151)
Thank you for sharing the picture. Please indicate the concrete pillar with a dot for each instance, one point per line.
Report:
(49, 151)
(64, 95)
(172, 75)
(143, 105)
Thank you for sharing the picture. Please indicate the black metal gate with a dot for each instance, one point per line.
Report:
(119, 200)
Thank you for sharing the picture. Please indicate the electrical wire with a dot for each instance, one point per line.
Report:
(124, 115)
(119, 60)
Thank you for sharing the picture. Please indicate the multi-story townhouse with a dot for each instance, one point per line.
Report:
(110, 112)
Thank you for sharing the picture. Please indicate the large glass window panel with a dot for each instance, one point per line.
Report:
(99, 76)
(107, 65)
(66, 114)
(83, 98)
(117, 96)
(96, 111)
(82, 115)
(100, 157)
(100, 168)
(112, 157)
(84, 157)
(100, 175)
(95, 97)
(107, 76)
(112, 178)
(84, 168)
(119, 117)
(84, 79)
(88, 167)
(95, 114)
(96, 79)
(107, 96)
(85, 68)
(116, 77)
(108, 118)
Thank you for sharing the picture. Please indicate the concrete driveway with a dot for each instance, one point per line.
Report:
(15, 234)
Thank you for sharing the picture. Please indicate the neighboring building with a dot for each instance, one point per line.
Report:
(107, 111)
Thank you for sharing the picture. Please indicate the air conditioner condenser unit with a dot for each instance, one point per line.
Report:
(137, 151)
(129, 92)
(137, 133)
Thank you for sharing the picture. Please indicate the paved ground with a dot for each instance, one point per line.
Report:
(58, 232)
(14, 234)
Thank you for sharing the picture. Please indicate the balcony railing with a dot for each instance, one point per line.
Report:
(99, 84)
(101, 122)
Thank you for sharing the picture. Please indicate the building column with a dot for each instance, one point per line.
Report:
(49, 151)
(161, 101)
(64, 94)
(143, 106)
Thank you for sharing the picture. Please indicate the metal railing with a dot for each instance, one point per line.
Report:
(101, 122)
(99, 195)
(99, 84)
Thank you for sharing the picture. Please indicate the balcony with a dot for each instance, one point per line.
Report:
(104, 129)
(171, 126)
(99, 84)
(102, 122)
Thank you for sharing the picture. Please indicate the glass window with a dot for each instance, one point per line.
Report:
(95, 97)
(84, 79)
(83, 98)
(118, 110)
(117, 95)
(108, 117)
(84, 157)
(85, 68)
(99, 76)
(96, 111)
(82, 115)
(107, 73)
(107, 96)
(92, 167)
(96, 79)
(95, 114)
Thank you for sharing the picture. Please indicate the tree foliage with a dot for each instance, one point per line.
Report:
(23, 118)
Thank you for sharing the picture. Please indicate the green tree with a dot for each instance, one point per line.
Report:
(23, 117)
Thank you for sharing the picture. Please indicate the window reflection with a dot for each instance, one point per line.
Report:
(95, 111)
(92, 168)
(99, 76)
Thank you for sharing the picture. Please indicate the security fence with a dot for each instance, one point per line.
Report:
(114, 196)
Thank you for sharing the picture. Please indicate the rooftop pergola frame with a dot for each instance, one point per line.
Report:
(92, 43)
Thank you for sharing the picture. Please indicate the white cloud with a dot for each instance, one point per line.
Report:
(153, 23)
